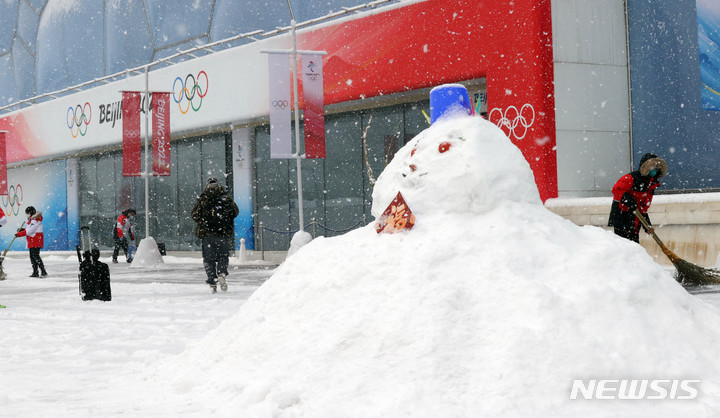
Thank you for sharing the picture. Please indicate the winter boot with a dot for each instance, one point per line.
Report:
(223, 282)
(213, 285)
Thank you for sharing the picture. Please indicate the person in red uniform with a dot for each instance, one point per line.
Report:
(123, 233)
(635, 190)
(3, 218)
(33, 231)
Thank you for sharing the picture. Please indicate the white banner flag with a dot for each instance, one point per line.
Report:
(280, 138)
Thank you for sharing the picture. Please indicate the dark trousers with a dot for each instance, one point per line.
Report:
(120, 243)
(216, 254)
(36, 261)
(628, 232)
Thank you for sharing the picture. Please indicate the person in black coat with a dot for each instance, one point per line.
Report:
(635, 190)
(214, 212)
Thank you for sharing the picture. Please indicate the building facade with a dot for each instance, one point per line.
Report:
(560, 78)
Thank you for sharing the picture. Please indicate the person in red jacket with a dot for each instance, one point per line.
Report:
(33, 231)
(635, 190)
(123, 233)
(3, 218)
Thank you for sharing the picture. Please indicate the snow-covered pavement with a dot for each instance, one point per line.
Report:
(61, 356)
(58, 353)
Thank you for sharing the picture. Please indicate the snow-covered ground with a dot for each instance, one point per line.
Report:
(490, 306)
(61, 356)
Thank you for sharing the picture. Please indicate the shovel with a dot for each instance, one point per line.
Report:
(3, 275)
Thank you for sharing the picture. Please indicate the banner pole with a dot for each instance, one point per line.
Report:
(147, 137)
(298, 156)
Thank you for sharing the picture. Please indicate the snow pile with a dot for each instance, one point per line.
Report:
(148, 254)
(300, 239)
(490, 306)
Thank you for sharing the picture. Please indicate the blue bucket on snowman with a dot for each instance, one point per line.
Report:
(448, 100)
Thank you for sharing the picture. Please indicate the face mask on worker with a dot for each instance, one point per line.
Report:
(653, 173)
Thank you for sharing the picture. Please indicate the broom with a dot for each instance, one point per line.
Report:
(687, 272)
(3, 275)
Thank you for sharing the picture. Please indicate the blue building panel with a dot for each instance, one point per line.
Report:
(667, 112)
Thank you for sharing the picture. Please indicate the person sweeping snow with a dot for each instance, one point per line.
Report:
(123, 233)
(33, 231)
(635, 190)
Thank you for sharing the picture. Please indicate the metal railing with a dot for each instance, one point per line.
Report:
(313, 224)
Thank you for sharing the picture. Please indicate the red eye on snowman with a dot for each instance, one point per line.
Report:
(444, 147)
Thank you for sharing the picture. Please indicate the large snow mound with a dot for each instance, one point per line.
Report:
(490, 306)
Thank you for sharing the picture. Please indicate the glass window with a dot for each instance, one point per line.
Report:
(129, 43)
(383, 133)
(7, 80)
(176, 21)
(336, 190)
(309, 9)
(38, 4)
(27, 25)
(166, 52)
(166, 213)
(231, 18)
(213, 161)
(24, 66)
(313, 179)
(415, 121)
(345, 189)
(89, 199)
(190, 184)
(69, 44)
(105, 193)
(8, 14)
(272, 195)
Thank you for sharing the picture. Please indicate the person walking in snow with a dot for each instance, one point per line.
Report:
(635, 190)
(122, 233)
(214, 212)
(33, 231)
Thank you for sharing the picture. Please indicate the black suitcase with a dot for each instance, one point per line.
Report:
(94, 275)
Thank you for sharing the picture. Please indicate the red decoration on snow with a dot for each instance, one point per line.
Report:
(396, 217)
(443, 147)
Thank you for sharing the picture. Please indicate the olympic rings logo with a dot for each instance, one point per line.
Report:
(78, 119)
(189, 93)
(132, 134)
(280, 104)
(13, 199)
(516, 121)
